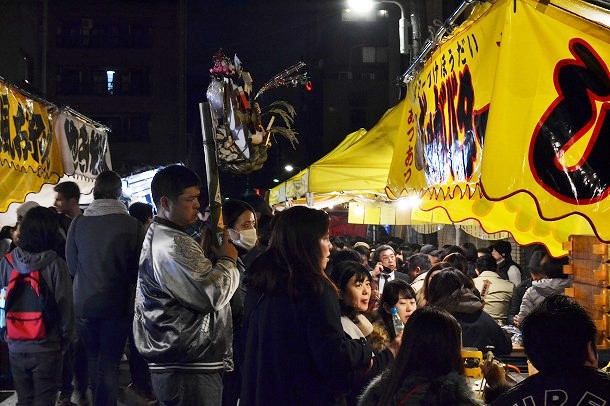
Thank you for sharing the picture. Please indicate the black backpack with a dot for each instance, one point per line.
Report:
(29, 305)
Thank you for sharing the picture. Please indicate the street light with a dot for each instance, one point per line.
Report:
(289, 168)
(364, 6)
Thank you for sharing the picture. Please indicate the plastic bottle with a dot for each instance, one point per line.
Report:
(398, 324)
(2, 305)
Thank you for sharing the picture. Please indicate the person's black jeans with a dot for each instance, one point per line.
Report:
(35, 375)
(138, 368)
(178, 388)
(75, 366)
(104, 341)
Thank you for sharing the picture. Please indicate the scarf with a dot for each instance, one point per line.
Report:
(103, 207)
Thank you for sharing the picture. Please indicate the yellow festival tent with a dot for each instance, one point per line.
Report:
(41, 145)
(478, 122)
(359, 163)
(503, 118)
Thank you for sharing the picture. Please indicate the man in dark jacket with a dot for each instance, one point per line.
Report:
(102, 250)
(67, 196)
(559, 338)
(182, 324)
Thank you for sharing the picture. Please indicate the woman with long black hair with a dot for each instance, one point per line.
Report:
(296, 352)
(429, 369)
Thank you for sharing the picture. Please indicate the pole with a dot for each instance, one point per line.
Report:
(415, 30)
(211, 166)
(402, 25)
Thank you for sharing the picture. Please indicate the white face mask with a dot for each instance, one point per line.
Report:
(247, 239)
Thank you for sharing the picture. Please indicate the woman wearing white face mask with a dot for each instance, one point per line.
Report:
(239, 217)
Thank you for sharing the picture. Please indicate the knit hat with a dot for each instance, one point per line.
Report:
(502, 247)
(362, 244)
(25, 207)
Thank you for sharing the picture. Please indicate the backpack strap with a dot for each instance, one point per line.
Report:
(35, 275)
(9, 258)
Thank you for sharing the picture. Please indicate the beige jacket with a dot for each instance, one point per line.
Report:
(497, 295)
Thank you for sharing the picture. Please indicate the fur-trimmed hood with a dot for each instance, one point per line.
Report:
(451, 389)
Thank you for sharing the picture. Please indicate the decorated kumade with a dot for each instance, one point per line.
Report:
(242, 129)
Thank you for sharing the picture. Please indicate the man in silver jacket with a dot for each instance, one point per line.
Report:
(182, 324)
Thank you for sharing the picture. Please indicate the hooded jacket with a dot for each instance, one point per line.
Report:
(54, 272)
(540, 290)
(451, 389)
(479, 329)
(182, 312)
(102, 251)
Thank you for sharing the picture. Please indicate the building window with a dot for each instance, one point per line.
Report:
(103, 33)
(103, 81)
(374, 54)
(345, 75)
(110, 81)
(368, 54)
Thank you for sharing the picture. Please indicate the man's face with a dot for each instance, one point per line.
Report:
(497, 256)
(184, 210)
(388, 259)
(61, 203)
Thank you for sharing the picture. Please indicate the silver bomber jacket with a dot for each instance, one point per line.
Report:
(182, 315)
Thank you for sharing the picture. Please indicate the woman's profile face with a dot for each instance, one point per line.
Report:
(325, 246)
(245, 221)
(356, 294)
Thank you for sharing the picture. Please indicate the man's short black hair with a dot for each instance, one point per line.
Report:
(486, 263)
(557, 333)
(553, 267)
(108, 185)
(339, 241)
(171, 182)
(69, 190)
(141, 211)
(419, 260)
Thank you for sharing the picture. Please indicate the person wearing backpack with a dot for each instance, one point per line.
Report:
(38, 308)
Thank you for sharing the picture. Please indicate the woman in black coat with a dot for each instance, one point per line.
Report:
(296, 352)
(428, 370)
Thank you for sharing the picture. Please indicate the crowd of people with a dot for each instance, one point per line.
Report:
(271, 310)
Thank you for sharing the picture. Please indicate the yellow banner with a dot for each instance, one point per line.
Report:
(442, 136)
(548, 134)
(29, 156)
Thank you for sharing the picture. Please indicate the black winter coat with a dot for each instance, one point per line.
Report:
(479, 329)
(296, 352)
(451, 389)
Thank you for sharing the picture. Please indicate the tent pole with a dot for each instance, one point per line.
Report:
(211, 166)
